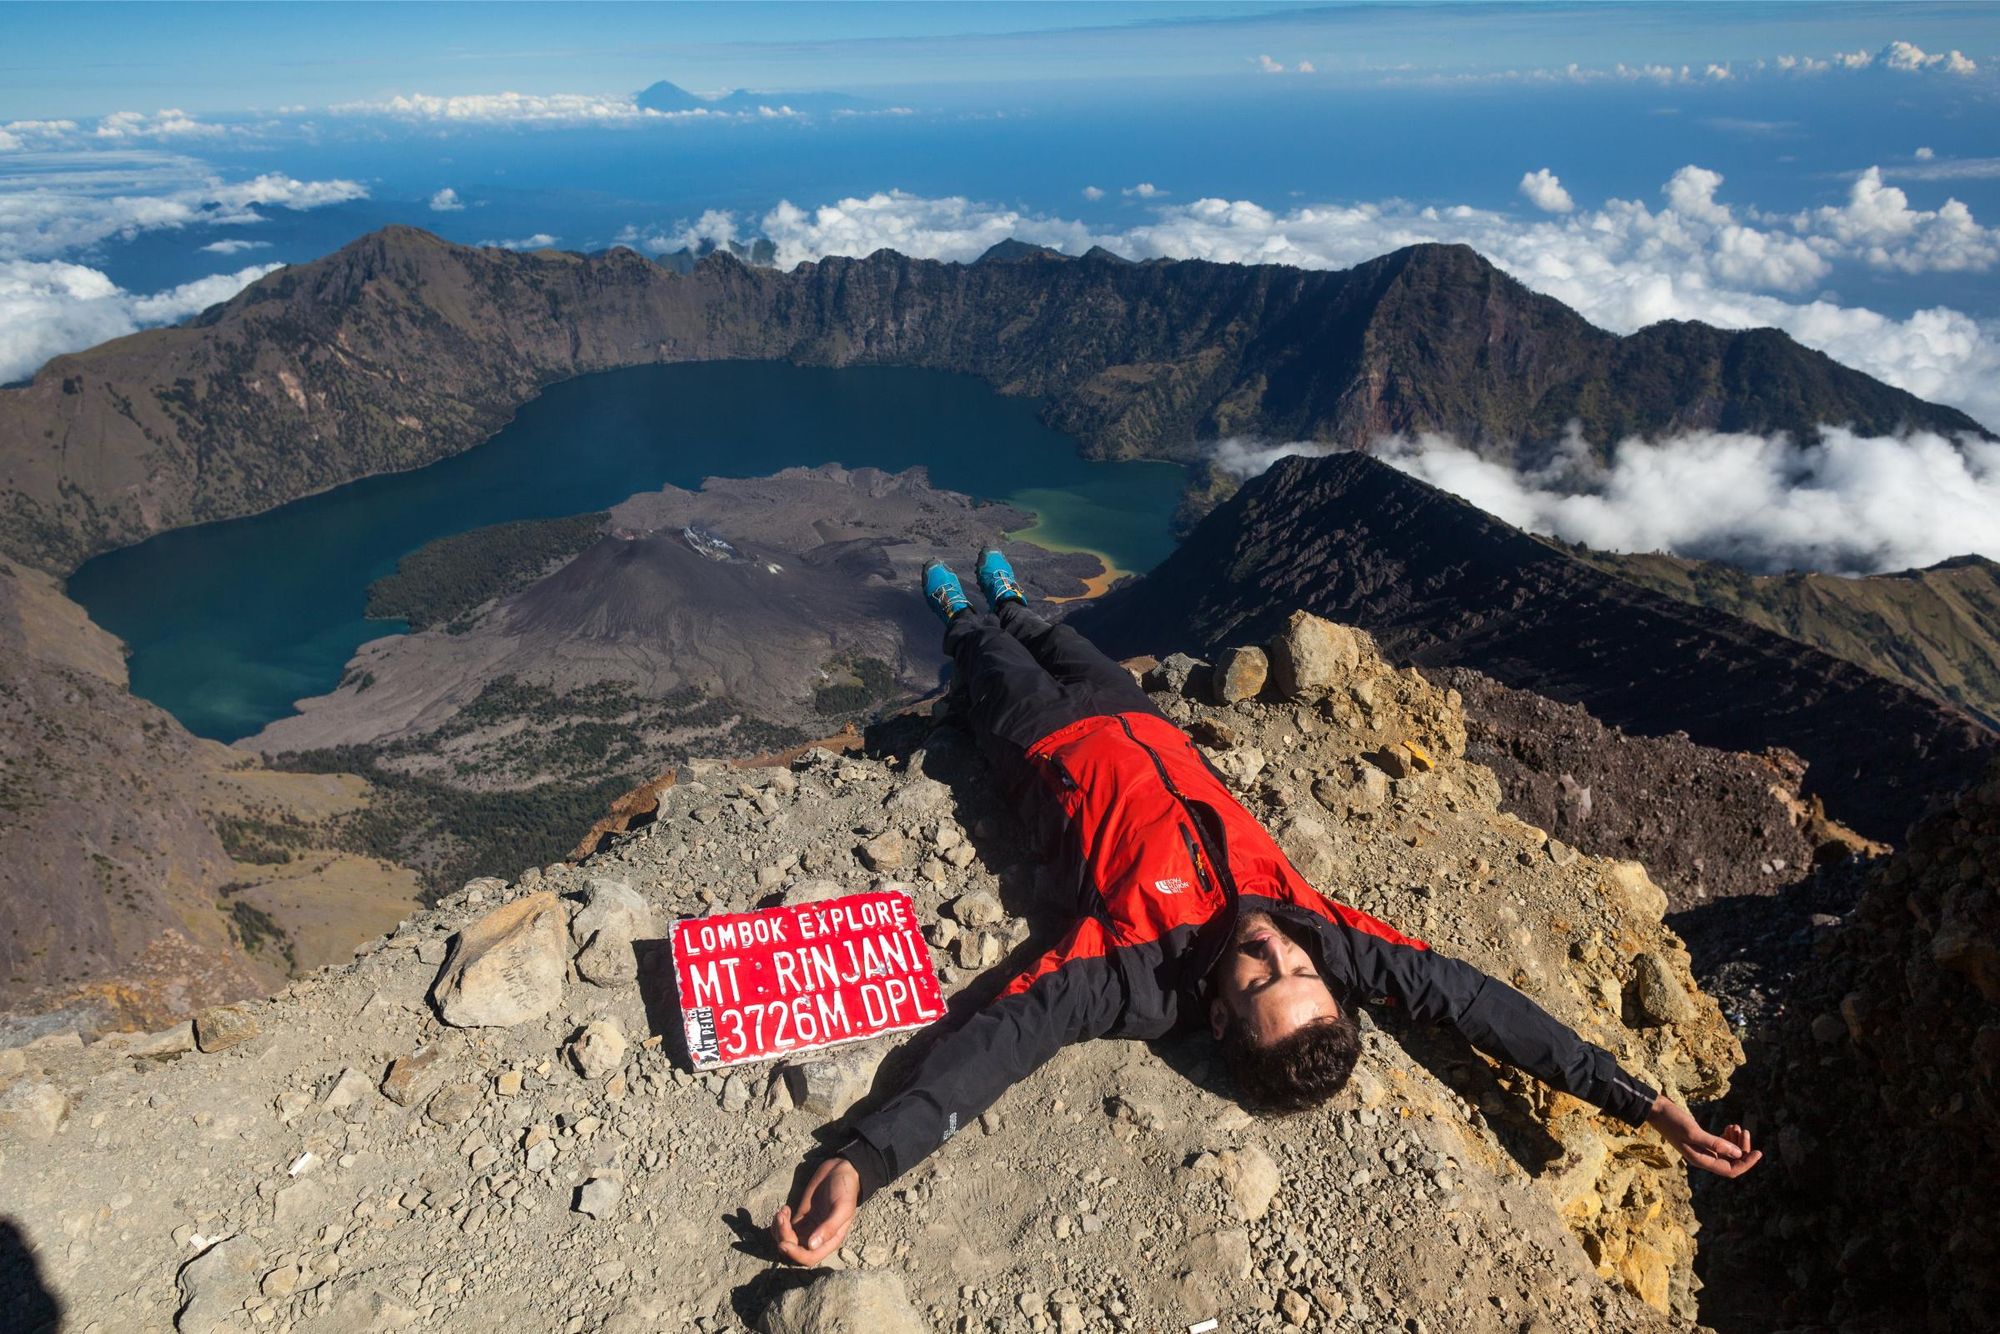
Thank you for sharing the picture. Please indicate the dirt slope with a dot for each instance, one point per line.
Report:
(1118, 1188)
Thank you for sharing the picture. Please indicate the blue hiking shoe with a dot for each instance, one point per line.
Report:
(943, 591)
(996, 579)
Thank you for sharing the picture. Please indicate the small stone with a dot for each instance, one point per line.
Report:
(886, 852)
(1827, 1029)
(295, 1203)
(851, 1301)
(1170, 674)
(812, 891)
(166, 1042)
(507, 967)
(978, 908)
(280, 1282)
(215, 1284)
(1295, 1307)
(508, 1084)
(413, 1078)
(599, 1050)
(1657, 994)
(1393, 761)
(1240, 767)
(1250, 1179)
(432, 951)
(223, 1027)
(1213, 735)
(828, 1085)
(350, 1090)
(612, 918)
(32, 1110)
(598, 1196)
(735, 1093)
(454, 1104)
(1239, 674)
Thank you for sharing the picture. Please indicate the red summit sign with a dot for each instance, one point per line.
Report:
(762, 984)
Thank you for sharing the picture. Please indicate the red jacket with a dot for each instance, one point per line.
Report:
(1166, 859)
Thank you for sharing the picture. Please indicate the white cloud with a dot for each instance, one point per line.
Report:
(278, 190)
(1307, 67)
(48, 307)
(717, 227)
(1545, 192)
(1877, 225)
(1268, 65)
(1899, 56)
(234, 245)
(447, 201)
(1925, 154)
(949, 229)
(545, 109)
(1935, 168)
(1910, 59)
(101, 195)
(167, 124)
(1091, 192)
(1143, 190)
(1845, 503)
(539, 241)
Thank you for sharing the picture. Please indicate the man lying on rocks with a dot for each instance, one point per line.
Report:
(1186, 910)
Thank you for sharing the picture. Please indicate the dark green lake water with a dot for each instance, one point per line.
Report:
(232, 622)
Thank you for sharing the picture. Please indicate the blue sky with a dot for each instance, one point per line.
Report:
(1831, 170)
(69, 60)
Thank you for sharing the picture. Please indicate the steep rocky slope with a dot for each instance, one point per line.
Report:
(1936, 629)
(1707, 823)
(1880, 1092)
(137, 869)
(1442, 583)
(401, 348)
(341, 1159)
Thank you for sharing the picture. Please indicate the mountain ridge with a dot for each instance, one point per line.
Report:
(1441, 583)
(401, 348)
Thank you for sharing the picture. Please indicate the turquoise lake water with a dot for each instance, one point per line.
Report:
(230, 623)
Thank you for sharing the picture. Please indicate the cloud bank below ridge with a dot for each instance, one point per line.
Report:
(1845, 504)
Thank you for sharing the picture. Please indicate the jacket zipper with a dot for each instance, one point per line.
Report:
(1190, 831)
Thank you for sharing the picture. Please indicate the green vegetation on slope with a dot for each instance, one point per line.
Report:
(855, 684)
(440, 583)
(1936, 629)
(547, 765)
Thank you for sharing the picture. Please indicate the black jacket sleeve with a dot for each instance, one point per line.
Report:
(1076, 996)
(1493, 1016)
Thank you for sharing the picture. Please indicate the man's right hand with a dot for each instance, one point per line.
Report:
(815, 1225)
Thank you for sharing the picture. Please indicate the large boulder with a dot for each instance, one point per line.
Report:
(507, 967)
(1312, 656)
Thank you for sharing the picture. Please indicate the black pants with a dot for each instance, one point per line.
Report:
(1025, 678)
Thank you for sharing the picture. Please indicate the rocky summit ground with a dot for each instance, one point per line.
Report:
(475, 1124)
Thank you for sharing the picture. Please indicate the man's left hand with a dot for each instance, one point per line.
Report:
(1727, 1155)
